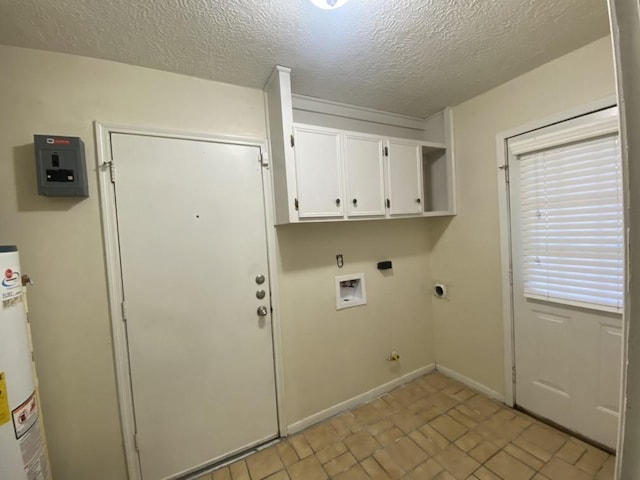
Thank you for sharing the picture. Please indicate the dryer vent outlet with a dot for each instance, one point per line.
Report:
(440, 290)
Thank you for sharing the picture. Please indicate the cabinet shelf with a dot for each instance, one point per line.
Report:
(437, 186)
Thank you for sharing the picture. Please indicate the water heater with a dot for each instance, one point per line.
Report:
(23, 453)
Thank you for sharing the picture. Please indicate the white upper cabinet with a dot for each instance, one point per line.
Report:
(404, 177)
(318, 163)
(364, 175)
(331, 162)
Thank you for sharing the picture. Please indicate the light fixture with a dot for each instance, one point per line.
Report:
(329, 4)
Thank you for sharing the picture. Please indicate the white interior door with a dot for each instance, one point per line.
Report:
(567, 256)
(192, 232)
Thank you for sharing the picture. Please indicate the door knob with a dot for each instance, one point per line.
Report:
(260, 279)
(337, 202)
(262, 311)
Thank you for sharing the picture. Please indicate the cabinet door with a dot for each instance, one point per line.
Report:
(318, 172)
(404, 178)
(364, 170)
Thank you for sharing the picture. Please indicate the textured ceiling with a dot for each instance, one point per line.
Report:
(406, 56)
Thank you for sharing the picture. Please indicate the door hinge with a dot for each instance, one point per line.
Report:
(388, 203)
(135, 442)
(513, 374)
(296, 204)
(112, 170)
(385, 151)
(293, 142)
(505, 167)
(511, 276)
(124, 311)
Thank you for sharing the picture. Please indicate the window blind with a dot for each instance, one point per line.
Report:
(572, 223)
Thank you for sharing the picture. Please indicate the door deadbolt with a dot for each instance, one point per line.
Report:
(260, 294)
(262, 311)
(260, 279)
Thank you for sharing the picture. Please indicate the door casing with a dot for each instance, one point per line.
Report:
(103, 133)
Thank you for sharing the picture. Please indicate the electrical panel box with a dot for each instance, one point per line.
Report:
(61, 166)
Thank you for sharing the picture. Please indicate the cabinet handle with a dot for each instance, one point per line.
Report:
(417, 200)
(355, 202)
(337, 202)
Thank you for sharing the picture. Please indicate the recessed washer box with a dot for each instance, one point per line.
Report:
(61, 166)
(350, 291)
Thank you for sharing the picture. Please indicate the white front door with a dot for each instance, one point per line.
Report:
(192, 233)
(568, 276)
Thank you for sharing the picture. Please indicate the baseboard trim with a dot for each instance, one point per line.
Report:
(447, 372)
(359, 399)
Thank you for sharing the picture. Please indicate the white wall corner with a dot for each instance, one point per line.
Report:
(434, 128)
(474, 385)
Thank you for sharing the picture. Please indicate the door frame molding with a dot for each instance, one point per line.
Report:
(103, 133)
(502, 156)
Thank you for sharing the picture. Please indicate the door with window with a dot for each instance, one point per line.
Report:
(567, 234)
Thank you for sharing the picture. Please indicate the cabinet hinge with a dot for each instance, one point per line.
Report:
(296, 204)
(505, 167)
(385, 151)
(124, 311)
(388, 203)
(264, 161)
(135, 442)
(293, 142)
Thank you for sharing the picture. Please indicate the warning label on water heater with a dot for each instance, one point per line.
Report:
(25, 415)
(33, 454)
(5, 413)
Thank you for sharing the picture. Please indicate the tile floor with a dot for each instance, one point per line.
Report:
(431, 428)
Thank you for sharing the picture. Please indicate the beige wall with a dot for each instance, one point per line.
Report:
(466, 250)
(60, 239)
(626, 28)
(330, 356)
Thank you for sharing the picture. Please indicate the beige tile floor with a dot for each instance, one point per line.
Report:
(431, 428)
